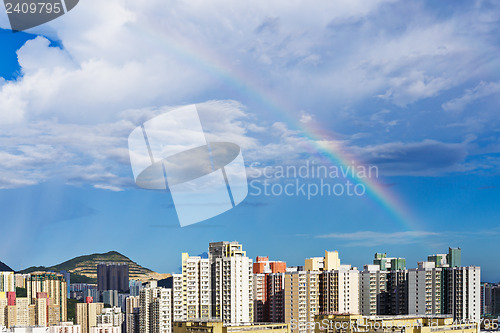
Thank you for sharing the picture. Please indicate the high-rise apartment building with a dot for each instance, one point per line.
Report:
(191, 290)
(132, 309)
(232, 283)
(396, 297)
(439, 286)
(338, 284)
(339, 290)
(454, 257)
(373, 287)
(495, 300)
(268, 292)
(41, 310)
(16, 312)
(460, 286)
(301, 300)
(110, 297)
(112, 276)
(274, 305)
(179, 298)
(134, 287)
(462, 292)
(21, 312)
(54, 286)
(486, 299)
(7, 282)
(111, 316)
(384, 286)
(425, 289)
(155, 310)
(196, 287)
(259, 297)
(86, 314)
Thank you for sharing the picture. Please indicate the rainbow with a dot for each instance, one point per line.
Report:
(247, 85)
(375, 189)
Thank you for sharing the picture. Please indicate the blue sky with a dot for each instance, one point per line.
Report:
(410, 87)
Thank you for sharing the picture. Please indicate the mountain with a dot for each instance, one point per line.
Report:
(83, 269)
(5, 268)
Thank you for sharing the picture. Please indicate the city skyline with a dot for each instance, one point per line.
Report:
(375, 256)
(227, 287)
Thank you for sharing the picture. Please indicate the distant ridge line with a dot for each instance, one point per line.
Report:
(5, 268)
(83, 268)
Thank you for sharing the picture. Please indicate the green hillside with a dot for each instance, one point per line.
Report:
(83, 269)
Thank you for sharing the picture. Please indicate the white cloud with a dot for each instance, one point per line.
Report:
(97, 155)
(483, 89)
(306, 118)
(109, 188)
(374, 238)
(123, 61)
(123, 54)
(360, 235)
(36, 55)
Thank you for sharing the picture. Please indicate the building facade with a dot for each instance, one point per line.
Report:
(112, 316)
(425, 289)
(462, 292)
(113, 276)
(86, 314)
(373, 288)
(268, 290)
(396, 297)
(155, 310)
(339, 290)
(132, 310)
(232, 283)
(7, 282)
(53, 286)
(301, 299)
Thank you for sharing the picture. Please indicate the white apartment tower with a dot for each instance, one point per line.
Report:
(232, 283)
(191, 289)
(340, 290)
(132, 310)
(179, 298)
(462, 292)
(424, 289)
(7, 282)
(155, 305)
(338, 284)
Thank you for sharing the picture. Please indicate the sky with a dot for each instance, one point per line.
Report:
(410, 88)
